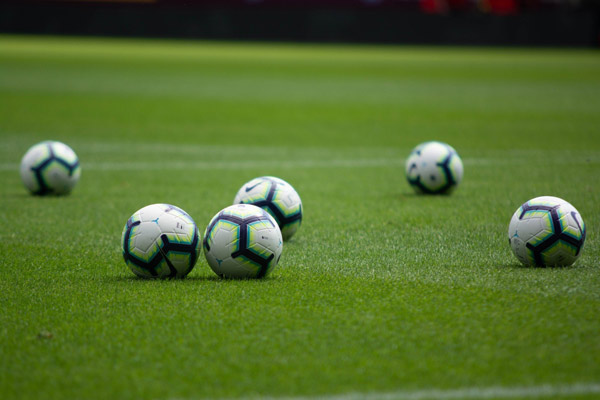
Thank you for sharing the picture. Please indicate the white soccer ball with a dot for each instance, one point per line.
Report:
(547, 231)
(160, 241)
(242, 241)
(278, 198)
(434, 168)
(50, 167)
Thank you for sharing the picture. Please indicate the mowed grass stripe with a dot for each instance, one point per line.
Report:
(106, 156)
(235, 165)
(493, 392)
(284, 164)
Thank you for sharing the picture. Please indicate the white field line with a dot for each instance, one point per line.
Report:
(492, 392)
(291, 163)
(226, 165)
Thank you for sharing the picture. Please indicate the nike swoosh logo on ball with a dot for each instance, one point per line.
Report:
(249, 188)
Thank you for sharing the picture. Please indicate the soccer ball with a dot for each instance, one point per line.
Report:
(50, 167)
(546, 231)
(242, 241)
(278, 198)
(160, 241)
(434, 168)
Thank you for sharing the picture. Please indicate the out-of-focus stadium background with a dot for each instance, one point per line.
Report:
(454, 22)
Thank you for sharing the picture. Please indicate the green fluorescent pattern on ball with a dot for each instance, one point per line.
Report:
(570, 230)
(230, 227)
(254, 230)
(240, 212)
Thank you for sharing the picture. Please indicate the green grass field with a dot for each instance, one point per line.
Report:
(380, 294)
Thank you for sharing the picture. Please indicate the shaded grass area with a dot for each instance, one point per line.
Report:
(379, 291)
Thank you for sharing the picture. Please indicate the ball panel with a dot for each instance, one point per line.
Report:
(241, 211)
(536, 227)
(559, 254)
(255, 190)
(433, 177)
(139, 271)
(288, 202)
(29, 179)
(572, 225)
(290, 229)
(263, 239)
(181, 261)
(224, 239)
(240, 268)
(521, 251)
(63, 152)
(143, 239)
(456, 168)
(57, 176)
(548, 201)
(540, 237)
(38, 153)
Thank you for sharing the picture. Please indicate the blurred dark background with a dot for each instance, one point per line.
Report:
(455, 22)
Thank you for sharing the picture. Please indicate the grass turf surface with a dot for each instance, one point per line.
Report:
(379, 291)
